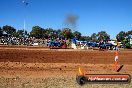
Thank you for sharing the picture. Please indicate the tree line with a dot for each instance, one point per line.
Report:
(64, 33)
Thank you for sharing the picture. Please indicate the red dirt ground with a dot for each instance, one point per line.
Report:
(31, 55)
(26, 62)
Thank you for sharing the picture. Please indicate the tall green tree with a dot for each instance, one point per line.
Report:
(1, 32)
(9, 29)
(102, 35)
(94, 37)
(67, 33)
(20, 33)
(121, 36)
(126, 41)
(129, 34)
(85, 38)
(49, 32)
(36, 32)
(77, 34)
(59, 33)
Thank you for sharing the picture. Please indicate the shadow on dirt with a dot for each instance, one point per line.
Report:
(120, 68)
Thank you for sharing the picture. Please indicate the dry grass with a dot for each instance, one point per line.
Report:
(56, 82)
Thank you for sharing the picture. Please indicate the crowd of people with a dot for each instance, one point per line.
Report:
(30, 41)
(54, 42)
(16, 41)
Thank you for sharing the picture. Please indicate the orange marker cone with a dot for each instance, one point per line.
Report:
(81, 72)
(116, 61)
(116, 66)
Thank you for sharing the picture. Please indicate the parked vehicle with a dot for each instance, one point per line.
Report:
(93, 44)
(106, 45)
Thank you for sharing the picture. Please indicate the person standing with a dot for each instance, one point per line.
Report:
(117, 46)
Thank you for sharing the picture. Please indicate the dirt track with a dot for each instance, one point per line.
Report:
(59, 66)
(63, 56)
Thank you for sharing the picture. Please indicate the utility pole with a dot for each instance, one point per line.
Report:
(25, 3)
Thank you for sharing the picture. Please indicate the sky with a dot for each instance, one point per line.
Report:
(111, 16)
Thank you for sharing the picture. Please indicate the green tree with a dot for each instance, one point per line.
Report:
(129, 34)
(49, 33)
(121, 36)
(102, 35)
(126, 42)
(1, 32)
(9, 29)
(56, 33)
(77, 34)
(94, 37)
(67, 33)
(20, 33)
(36, 32)
(85, 38)
(59, 33)
(124, 37)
